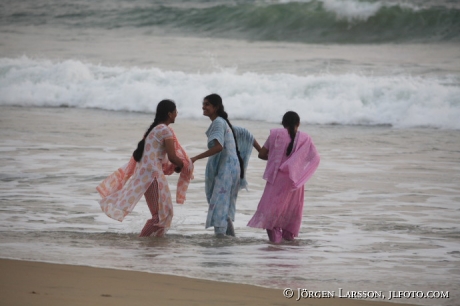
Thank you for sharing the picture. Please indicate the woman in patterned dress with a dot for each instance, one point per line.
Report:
(147, 176)
(229, 149)
(158, 142)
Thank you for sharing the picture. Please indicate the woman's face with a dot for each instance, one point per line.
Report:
(173, 115)
(208, 109)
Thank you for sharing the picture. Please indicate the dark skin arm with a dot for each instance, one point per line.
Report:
(256, 145)
(218, 148)
(214, 150)
(263, 153)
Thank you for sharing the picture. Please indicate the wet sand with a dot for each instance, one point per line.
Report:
(35, 283)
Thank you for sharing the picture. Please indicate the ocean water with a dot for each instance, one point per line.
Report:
(376, 84)
(380, 215)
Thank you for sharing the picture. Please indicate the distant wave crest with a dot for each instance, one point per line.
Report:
(315, 21)
(349, 99)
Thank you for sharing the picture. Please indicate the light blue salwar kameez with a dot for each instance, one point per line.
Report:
(223, 172)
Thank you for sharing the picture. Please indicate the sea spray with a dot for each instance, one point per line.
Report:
(346, 99)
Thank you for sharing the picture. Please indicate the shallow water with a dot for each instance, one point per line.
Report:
(381, 213)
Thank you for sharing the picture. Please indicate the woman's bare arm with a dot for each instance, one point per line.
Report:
(256, 145)
(214, 150)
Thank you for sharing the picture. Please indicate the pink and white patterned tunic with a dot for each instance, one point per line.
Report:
(122, 190)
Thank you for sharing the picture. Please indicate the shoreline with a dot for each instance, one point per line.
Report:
(39, 283)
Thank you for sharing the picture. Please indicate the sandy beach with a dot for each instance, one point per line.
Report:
(34, 283)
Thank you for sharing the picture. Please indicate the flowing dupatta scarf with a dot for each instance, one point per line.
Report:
(301, 164)
(245, 144)
(117, 180)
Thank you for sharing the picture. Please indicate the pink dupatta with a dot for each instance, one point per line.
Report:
(300, 165)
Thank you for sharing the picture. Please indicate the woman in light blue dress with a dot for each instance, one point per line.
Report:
(229, 149)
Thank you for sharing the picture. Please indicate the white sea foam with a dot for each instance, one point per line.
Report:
(348, 99)
(352, 9)
(356, 10)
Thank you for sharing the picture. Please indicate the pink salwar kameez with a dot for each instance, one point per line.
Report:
(281, 206)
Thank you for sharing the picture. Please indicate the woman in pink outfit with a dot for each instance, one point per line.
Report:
(291, 160)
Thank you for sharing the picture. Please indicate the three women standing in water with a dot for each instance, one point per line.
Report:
(292, 160)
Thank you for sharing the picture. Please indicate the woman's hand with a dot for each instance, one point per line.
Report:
(214, 150)
(263, 153)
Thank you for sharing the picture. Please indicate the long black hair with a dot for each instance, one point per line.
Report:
(216, 101)
(290, 121)
(163, 109)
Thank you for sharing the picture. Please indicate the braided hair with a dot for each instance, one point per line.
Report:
(290, 121)
(163, 109)
(216, 101)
